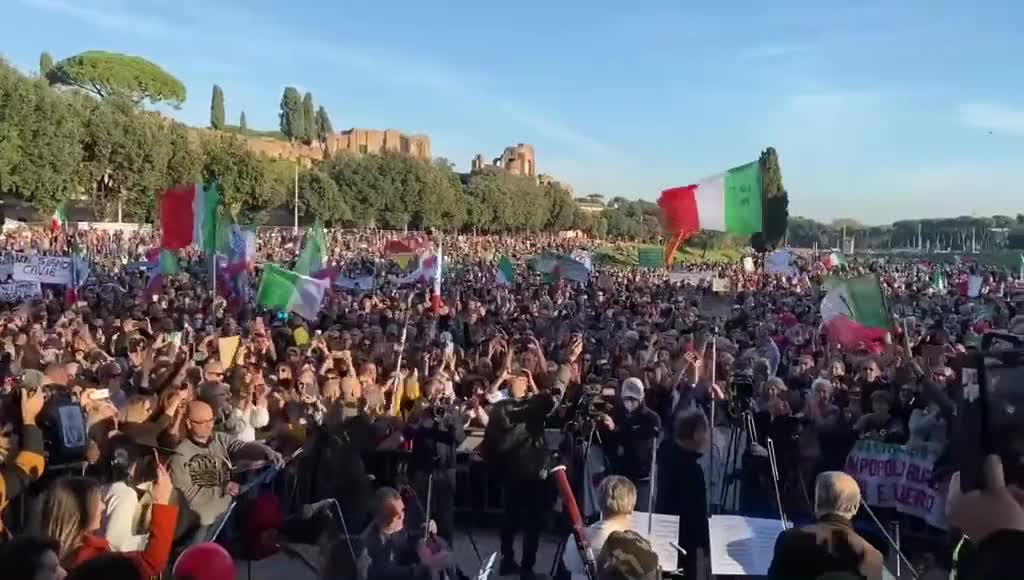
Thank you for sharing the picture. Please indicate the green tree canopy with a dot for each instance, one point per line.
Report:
(109, 73)
(242, 126)
(308, 119)
(242, 176)
(319, 197)
(775, 204)
(45, 63)
(217, 108)
(323, 125)
(291, 121)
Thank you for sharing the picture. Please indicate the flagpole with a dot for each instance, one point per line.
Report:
(295, 213)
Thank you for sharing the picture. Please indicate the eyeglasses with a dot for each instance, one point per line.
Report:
(200, 422)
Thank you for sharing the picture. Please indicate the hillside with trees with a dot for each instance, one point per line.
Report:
(78, 130)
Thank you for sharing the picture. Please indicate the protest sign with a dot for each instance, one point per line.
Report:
(898, 476)
(721, 285)
(693, 278)
(19, 291)
(45, 269)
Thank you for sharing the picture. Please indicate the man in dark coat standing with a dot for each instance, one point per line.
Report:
(830, 544)
(681, 490)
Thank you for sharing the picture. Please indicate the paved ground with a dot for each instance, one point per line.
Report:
(488, 542)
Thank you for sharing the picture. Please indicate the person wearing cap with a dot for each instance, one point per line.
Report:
(830, 544)
(629, 436)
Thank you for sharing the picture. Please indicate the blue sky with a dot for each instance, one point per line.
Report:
(880, 109)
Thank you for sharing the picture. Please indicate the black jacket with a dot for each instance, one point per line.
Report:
(435, 447)
(630, 445)
(393, 557)
(830, 545)
(514, 438)
(682, 492)
(996, 558)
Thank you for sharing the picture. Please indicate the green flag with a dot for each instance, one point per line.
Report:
(506, 272)
(312, 258)
(651, 257)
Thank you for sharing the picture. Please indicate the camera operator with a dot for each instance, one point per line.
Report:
(436, 435)
(629, 436)
(514, 446)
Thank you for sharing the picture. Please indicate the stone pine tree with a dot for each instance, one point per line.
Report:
(309, 118)
(217, 108)
(292, 123)
(45, 63)
(775, 204)
(242, 127)
(323, 124)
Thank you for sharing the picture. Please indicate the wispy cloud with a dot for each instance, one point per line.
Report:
(396, 69)
(110, 18)
(773, 50)
(831, 108)
(994, 117)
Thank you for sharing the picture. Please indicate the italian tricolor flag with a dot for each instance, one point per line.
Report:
(728, 202)
(188, 215)
(281, 289)
(312, 259)
(59, 220)
(853, 311)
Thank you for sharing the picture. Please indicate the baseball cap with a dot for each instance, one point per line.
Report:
(633, 388)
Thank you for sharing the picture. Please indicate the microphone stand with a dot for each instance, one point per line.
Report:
(775, 482)
(893, 543)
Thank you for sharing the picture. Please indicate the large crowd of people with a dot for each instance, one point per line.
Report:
(138, 423)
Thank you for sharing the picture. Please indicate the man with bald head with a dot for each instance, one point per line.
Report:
(830, 544)
(201, 466)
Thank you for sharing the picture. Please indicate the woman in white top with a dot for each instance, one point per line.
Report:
(616, 500)
(128, 500)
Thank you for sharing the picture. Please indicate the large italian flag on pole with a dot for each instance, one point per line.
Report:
(853, 311)
(188, 215)
(728, 202)
(281, 289)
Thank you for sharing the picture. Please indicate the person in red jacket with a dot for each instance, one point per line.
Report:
(73, 514)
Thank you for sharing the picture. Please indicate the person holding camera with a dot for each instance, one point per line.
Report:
(514, 446)
(629, 436)
(436, 436)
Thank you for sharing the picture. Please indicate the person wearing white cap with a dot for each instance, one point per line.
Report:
(629, 435)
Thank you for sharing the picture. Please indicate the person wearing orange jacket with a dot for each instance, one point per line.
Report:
(73, 516)
(29, 462)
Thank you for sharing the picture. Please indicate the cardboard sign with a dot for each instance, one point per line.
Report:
(227, 348)
(19, 291)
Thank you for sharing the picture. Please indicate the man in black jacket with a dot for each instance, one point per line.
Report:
(436, 436)
(629, 437)
(514, 446)
(681, 490)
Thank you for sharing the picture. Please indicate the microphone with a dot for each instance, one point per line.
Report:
(311, 509)
(572, 511)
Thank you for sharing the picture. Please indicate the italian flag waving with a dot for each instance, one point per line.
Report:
(728, 202)
(188, 215)
(59, 221)
(853, 311)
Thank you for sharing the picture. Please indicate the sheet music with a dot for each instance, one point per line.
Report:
(664, 531)
(742, 546)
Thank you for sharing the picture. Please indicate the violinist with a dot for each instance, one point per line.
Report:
(395, 552)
